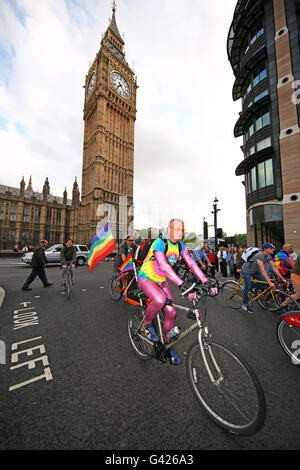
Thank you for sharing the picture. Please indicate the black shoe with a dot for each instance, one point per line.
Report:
(48, 285)
(26, 288)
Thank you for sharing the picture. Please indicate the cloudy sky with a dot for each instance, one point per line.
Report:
(185, 151)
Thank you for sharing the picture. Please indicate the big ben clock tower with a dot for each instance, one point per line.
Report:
(108, 148)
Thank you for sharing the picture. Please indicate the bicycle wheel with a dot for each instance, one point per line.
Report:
(142, 346)
(232, 294)
(235, 400)
(262, 300)
(288, 335)
(274, 300)
(68, 285)
(115, 290)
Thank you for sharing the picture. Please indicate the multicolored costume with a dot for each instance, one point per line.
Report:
(282, 262)
(153, 275)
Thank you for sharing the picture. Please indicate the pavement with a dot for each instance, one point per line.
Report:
(72, 381)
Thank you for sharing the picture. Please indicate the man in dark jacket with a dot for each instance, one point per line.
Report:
(67, 256)
(38, 263)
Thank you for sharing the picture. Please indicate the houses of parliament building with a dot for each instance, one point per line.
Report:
(109, 116)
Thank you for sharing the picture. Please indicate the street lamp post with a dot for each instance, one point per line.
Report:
(215, 211)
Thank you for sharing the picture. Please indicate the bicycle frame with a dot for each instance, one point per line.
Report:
(240, 283)
(203, 332)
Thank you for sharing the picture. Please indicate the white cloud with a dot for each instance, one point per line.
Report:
(185, 152)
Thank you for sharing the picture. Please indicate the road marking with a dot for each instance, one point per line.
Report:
(46, 375)
(24, 303)
(14, 346)
(31, 364)
(25, 318)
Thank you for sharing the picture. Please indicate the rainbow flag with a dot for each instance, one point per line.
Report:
(102, 244)
(127, 265)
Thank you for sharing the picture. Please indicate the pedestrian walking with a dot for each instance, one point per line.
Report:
(212, 258)
(38, 263)
(293, 255)
(222, 255)
(229, 261)
(235, 252)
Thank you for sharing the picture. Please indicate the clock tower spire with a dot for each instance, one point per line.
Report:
(108, 148)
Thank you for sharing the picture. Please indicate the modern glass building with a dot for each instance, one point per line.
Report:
(263, 48)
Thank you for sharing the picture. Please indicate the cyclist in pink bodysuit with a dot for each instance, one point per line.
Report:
(152, 279)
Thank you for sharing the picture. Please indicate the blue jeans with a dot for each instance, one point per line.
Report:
(248, 284)
(230, 268)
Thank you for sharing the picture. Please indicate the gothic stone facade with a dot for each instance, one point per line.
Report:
(27, 216)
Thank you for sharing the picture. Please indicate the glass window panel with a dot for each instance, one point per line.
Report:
(13, 212)
(252, 150)
(262, 75)
(266, 119)
(251, 130)
(253, 179)
(256, 80)
(258, 124)
(261, 175)
(260, 32)
(261, 95)
(269, 172)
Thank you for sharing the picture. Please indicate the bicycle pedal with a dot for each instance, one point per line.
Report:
(160, 353)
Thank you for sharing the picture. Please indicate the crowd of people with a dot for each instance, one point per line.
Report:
(25, 249)
(228, 260)
(164, 254)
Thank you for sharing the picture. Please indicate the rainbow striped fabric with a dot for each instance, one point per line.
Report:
(102, 244)
(127, 265)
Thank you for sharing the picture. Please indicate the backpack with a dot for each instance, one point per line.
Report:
(143, 249)
(247, 255)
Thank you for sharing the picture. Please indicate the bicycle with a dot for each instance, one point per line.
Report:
(266, 297)
(222, 381)
(117, 287)
(288, 335)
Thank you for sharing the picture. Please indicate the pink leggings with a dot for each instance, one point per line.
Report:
(158, 293)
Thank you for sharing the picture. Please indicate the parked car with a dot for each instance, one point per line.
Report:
(53, 254)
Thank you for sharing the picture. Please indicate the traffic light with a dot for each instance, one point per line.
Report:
(205, 230)
(219, 233)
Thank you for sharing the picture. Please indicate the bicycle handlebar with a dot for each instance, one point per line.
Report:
(207, 286)
(190, 289)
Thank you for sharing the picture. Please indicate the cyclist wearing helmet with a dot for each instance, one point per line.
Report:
(256, 269)
(152, 280)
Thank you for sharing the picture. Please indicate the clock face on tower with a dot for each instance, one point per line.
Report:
(91, 84)
(120, 85)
